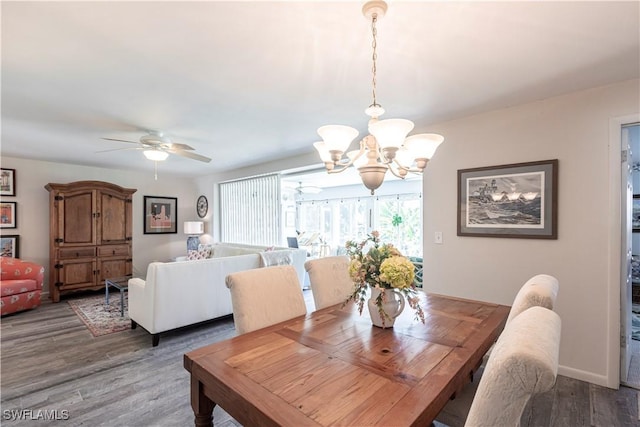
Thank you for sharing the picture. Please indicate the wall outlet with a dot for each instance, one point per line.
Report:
(437, 237)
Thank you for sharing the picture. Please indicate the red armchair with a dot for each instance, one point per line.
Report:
(20, 285)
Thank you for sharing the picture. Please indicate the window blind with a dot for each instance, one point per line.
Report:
(250, 210)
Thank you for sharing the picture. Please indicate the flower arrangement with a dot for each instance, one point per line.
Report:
(382, 266)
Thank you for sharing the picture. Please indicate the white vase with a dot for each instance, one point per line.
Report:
(392, 305)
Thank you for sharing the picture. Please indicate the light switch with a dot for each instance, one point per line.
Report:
(437, 237)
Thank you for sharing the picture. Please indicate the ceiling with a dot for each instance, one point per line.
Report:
(247, 82)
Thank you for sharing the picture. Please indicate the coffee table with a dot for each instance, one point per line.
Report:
(120, 283)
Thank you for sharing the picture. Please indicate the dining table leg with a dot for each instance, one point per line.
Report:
(202, 406)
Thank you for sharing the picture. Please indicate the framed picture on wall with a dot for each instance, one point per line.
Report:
(10, 246)
(517, 200)
(8, 214)
(7, 182)
(160, 215)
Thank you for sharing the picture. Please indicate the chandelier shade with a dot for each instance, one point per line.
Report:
(337, 138)
(424, 145)
(387, 148)
(390, 133)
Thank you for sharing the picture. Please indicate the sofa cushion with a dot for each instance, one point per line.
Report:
(271, 258)
(17, 286)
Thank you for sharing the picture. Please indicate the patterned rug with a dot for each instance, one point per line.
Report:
(102, 319)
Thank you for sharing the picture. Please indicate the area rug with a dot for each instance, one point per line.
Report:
(100, 318)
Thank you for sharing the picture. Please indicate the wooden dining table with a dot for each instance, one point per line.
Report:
(333, 368)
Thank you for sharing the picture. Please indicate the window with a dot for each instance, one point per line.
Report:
(398, 218)
(250, 210)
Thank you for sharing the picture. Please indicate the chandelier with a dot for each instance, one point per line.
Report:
(387, 147)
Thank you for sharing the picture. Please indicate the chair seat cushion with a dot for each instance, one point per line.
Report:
(17, 286)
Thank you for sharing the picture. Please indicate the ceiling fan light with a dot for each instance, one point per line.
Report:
(156, 155)
(424, 145)
(390, 133)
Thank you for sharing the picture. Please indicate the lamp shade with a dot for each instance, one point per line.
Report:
(325, 156)
(193, 227)
(424, 145)
(337, 137)
(391, 132)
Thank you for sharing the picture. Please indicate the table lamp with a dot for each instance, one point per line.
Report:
(193, 229)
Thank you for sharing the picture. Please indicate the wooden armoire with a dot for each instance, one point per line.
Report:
(90, 235)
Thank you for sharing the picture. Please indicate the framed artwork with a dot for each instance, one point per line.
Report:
(10, 246)
(8, 214)
(160, 215)
(635, 214)
(518, 200)
(7, 182)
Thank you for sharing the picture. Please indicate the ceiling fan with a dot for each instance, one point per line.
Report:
(307, 189)
(157, 147)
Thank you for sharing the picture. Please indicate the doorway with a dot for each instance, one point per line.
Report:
(630, 290)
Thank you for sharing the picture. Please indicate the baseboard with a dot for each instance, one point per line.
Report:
(578, 374)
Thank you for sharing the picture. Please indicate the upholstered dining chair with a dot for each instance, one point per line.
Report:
(329, 280)
(265, 296)
(524, 362)
(541, 290)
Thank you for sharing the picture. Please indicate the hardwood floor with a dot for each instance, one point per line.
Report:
(50, 361)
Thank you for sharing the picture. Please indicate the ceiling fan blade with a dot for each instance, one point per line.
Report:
(178, 146)
(121, 140)
(189, 155)
(119, 149)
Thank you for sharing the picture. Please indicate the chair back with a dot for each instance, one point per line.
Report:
(540, 290)
(265, 296)
(329, 280)
(523, 362)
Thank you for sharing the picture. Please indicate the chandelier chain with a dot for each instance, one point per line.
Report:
(374, 57)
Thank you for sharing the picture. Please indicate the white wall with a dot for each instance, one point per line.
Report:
(33, 208)
(575, 130)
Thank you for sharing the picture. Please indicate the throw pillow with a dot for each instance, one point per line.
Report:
(199, 254)
(207, 248)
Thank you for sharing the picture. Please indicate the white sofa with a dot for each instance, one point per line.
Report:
(182, 293)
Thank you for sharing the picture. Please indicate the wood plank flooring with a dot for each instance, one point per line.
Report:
(50, 361)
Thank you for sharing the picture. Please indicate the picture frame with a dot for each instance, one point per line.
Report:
(7, 182)
(10, 246)
(160, 215)
(517, 200)
(635, 214)
(8, 214)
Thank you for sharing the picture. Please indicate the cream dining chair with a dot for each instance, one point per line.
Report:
(539, 291)
(265, 296)
(523, 362)
(329, 280)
